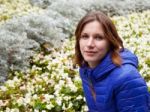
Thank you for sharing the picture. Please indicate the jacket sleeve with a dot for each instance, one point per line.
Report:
(133, 96)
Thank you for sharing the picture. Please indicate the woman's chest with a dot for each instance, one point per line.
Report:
(102, 94)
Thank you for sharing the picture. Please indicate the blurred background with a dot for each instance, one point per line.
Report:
(37, 47)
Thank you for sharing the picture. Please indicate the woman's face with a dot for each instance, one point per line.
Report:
(93, 45)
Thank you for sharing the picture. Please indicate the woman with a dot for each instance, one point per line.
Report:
(110, 79)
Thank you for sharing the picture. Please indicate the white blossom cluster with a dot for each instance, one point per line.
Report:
(21, 37)
(135, 32)
(13, 8)
(52, 84)
(27, 25)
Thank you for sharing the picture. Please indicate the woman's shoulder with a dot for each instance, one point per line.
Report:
(126, 70)
(127, 76)
(129, 67)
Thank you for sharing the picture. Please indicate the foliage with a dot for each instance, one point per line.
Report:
(13, 8)
(110, 7)
(42, 76)
(53, 83)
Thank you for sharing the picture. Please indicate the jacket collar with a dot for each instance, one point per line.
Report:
(107, 65)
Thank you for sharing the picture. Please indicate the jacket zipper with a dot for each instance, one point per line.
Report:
(89, 81)
(92, 89)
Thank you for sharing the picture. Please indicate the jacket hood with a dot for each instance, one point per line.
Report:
(107, 65)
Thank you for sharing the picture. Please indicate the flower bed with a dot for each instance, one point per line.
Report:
(13, 8)
(53, 83)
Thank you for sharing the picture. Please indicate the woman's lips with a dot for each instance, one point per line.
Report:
(90, 53)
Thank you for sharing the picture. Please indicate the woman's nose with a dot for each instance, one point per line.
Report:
(90, 42)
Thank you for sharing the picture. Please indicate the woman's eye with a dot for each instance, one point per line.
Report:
(98, 37)
(84, 36)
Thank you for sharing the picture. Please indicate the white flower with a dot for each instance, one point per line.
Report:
(35, 110)
(66, 98)
(30, 87)
(148, 84)
(70, 105)
(23, 87)
(49, 106)
(20, 101)
(38, 79)
(73, 88)
(3, 88)
(15, 110)
(57, 87)
(4, 102)
(77, 78)
(16, 79)
(36, 68)
(35, 96)
(43, 110)
(61, 82)
(48, 97)
(11, 110)
(45, 78)
(59, 101)
(85, 108)
(84, 99)
(79, 97)
(10, 83)
(1, 102)
(64, 107)
(27, 99)
(8, 110)
(56, 93)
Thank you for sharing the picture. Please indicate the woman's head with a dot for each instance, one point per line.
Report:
(95, 36)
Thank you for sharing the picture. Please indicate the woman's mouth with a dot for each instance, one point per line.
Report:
(90, 53)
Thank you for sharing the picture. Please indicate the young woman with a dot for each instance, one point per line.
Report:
(110, 79)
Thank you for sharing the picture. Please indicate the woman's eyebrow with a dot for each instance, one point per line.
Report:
(98, 34)
(84, 33)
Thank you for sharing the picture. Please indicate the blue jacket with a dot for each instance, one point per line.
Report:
(116, 89)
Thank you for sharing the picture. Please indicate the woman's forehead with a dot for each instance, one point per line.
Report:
(91, 27)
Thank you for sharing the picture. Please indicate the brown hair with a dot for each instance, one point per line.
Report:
(110, 34)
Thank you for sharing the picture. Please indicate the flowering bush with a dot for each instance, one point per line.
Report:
(21, 37)
(48, 24)
(53, 83)
(135, 32)
(115, 7)
(13, 8)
